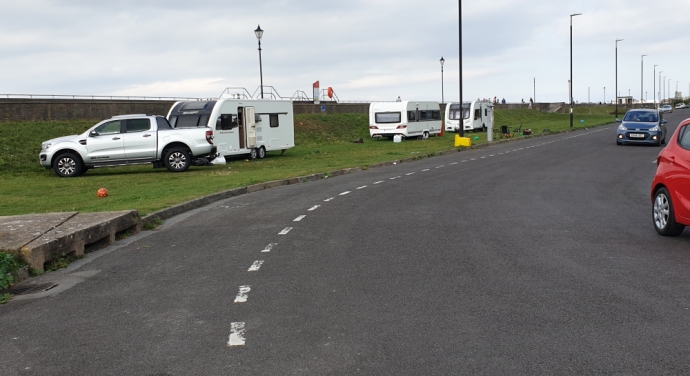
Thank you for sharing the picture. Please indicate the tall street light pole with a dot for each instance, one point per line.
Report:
(571, 66)
(259, 33)
(616, 92)
(654, 76)
(661, 91)
(442, 61)
(462, 111)
(604, 95)
(641, 79)
(535, 89)
(668, 88)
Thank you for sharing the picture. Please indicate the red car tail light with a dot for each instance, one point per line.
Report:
(209, 137)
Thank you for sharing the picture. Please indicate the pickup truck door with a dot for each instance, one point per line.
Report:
(105, 143)
(139, 139)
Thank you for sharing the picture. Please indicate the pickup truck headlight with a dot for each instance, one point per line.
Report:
(622, 128)
(654, 128)
(46, 145)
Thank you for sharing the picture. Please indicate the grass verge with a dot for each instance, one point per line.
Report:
(324, 144)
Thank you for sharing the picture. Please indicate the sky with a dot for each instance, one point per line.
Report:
(366, 50)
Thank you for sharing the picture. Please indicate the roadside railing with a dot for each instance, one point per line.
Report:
(97, 97)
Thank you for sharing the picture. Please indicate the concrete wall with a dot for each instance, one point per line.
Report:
(95, 109)
(76, 109)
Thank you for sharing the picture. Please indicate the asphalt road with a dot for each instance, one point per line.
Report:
(531, 257)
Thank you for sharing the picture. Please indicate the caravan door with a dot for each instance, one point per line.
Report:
(250, 126)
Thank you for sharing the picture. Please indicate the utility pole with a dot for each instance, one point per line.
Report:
(641, 79)
(571, 66)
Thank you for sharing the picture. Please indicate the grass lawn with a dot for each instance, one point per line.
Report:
(323, 145)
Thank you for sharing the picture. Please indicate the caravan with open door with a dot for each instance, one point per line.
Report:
(477, 115)
(406, 118)
(240, 126)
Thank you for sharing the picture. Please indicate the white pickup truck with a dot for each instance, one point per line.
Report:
(127, 140)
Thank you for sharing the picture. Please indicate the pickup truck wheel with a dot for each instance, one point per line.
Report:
(177, 160)
(253, 154)
(67, 165)
(262, 153)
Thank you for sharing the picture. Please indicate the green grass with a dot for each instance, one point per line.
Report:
(323, 144)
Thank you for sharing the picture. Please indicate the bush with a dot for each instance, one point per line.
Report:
(8, 265)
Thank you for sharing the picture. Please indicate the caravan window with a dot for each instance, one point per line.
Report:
(226, 122)
(387, 117)
(436, 115)
(411, 116)
(486, 112)
(187, 121)
(477, 114)
(273, 120)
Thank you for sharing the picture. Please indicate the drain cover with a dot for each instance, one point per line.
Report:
(31, 289)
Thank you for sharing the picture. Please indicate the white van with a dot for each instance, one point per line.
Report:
(406, 118)
(241, 126)
(482, 116)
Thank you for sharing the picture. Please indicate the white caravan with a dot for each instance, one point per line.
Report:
(241, 126)
(406, 118)
(482, 116)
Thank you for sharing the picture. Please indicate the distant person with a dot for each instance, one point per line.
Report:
(503, 101)
(398, 100)
(530, 103)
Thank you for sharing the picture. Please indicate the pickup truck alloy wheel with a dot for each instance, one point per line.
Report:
(664, 215)
(67, 165)
(262, 153)
(177, 160)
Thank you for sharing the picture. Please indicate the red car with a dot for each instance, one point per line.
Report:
(671, 186)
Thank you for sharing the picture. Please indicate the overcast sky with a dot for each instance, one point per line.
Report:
(364, 49)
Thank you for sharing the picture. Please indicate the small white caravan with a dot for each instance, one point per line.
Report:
(406, 118)
(482, 116)
(241, 126)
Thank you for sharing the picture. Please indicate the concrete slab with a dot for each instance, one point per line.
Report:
(19, 230)
(39, 238)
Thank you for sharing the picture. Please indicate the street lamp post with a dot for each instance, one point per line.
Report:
(442, 61)
(535, 89)
(616, 92)
(668, 88)
(641, 78)
(661, 91)
(654, 77)
(462, 114)
(571, 66)
(604, 95)
(259, 33)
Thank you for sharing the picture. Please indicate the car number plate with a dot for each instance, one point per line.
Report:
(637, 135)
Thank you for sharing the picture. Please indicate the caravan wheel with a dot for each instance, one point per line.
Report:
(262, 153)
(253, 154)
(425, 136)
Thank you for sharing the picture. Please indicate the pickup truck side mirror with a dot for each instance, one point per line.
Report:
(93, 134)
(618, 120)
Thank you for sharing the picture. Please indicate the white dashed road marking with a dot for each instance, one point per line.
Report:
(344, 193)
(411, 173)
(378, 182)
(242, 295)
(285, 231)
(454, 163)
(424, 170)
(301, 217)
(362, 187)
(269, 247)
(236, 334)
(255, 266)
(329, 199)
(439, 166)
(314, 207)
